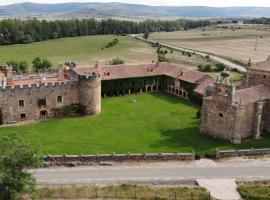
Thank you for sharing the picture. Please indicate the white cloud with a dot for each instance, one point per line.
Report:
(217, 3)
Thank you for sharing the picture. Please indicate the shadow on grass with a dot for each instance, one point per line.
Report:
(191, 138)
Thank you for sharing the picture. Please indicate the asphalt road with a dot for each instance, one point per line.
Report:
(152, 172)
(212, 57)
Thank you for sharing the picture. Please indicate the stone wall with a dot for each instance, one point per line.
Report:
(244, 152)
(121, 157)
(90, 93)
(12, 111)
(218, 119)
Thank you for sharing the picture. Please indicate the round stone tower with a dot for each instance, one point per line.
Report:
(90, 92)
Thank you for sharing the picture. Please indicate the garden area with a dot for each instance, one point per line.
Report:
(156, 122)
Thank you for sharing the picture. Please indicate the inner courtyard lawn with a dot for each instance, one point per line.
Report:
(157, 122)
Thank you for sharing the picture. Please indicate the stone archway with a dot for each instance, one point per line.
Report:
(154, 88)
(43, 114)
(149, 89)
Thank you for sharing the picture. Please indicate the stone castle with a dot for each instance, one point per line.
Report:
(39, 94)
(235, 113)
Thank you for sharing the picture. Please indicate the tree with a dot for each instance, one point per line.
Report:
(38, 63)
(23, 65)
(16, 158)
(46, 64)
(13, 64)
(146, 35)
(219, 67)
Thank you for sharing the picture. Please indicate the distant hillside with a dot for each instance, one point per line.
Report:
(83, 10)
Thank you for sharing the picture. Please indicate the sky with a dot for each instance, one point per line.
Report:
(214, 3)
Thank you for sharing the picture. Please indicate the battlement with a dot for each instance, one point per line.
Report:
(39, 85)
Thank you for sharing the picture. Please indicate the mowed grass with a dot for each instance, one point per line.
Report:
(238, 45)
(85, 50)
(157, 122)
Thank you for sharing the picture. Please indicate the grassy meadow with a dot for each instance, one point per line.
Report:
(237, 44)
(86, 50)
(158, 122)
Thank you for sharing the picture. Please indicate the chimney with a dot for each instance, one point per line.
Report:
(61, 72)
(9, 75)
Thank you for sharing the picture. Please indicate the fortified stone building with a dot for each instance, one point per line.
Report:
(233, 113)
(39, 95)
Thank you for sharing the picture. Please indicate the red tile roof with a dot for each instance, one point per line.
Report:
(262, 66)
(252, 94)
(111, 72)
(31, 81)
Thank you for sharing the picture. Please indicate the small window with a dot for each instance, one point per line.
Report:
(42, 102)
(220, 114)
(264, 76)
(21, 103)
(23, 116)
(59, 99)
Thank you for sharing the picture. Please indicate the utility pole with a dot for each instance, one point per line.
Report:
(256, 44)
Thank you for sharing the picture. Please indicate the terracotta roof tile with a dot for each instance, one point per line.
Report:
(263, 66)
(252, 94)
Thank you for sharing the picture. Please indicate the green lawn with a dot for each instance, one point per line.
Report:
(156, 123)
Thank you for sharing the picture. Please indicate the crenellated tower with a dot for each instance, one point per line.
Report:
(90, 92)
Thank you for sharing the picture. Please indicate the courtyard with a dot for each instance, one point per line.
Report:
(156, 122)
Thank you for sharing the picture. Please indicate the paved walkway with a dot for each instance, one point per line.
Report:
(222, 189)
(212, 57)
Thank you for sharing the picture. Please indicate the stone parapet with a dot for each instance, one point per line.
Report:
(121, 157)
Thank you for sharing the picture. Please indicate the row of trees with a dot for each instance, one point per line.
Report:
(37, 63)
(262, 20)
(13, 31)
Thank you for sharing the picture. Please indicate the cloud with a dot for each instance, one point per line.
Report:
(218, 3)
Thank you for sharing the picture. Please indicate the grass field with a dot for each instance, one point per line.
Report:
(254, 192)
(156, 123)
(87, 50)
(236, 45)
(124, 192)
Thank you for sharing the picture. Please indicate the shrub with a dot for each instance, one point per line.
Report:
(206, 68)
(198, 114)
(38, 63)
(219, 67)
(162, 58)
(116, 61)
(111, 44)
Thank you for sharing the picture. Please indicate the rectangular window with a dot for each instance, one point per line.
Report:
(23, 116)
(21, 103)
(41, 102)
(59, 99)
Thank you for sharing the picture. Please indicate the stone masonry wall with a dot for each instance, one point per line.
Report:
(9, 100)
(218, 119)
(90, 93)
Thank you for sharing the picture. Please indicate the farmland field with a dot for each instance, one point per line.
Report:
(157, 122)
(237, 44)
(87, 50)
